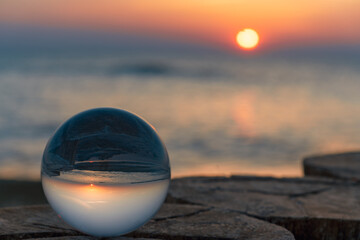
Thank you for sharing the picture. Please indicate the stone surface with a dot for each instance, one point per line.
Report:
(344, 166)
(323, 205)
(90, 238)
(309, 208)
(174, 221)
(212, 223)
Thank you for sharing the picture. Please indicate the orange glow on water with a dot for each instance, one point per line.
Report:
(244, 114)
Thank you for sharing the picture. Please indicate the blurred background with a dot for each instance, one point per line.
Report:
(219, 108)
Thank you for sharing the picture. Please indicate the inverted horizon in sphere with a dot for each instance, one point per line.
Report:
(105, 171)
(105, 210)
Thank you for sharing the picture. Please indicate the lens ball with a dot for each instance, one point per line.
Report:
(105, 171)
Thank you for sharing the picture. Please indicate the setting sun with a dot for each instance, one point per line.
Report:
(247, 38)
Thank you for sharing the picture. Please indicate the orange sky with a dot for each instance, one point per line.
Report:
(211, 22)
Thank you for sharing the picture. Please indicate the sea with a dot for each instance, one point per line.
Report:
(218, 115)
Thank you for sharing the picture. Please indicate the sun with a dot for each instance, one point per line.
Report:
(247, 38)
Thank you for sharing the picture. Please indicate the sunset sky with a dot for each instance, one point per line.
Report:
(211, 23)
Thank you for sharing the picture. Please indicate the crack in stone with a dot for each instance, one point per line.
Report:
(270, 219)
(296, 225)
(212, 207)
(174, 200)
(298, 204)
(37, 235)
(237, 178)
(314, 192)
(54, 227)
(45, 234)
(173, 237)
(183, 215)
(244, 213)
(291, 195)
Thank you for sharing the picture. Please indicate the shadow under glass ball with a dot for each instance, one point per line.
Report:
(105, 171)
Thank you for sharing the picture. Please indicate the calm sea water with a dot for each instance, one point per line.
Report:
(217, 116)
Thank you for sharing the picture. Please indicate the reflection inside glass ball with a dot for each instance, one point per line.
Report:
(105, 171)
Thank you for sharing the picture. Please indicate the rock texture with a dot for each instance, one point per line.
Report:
(174, 221)
(344, 166)
(237, 207)
(309, 208)
(323, 205)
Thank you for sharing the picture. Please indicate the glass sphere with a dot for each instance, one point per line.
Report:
(105, 171)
